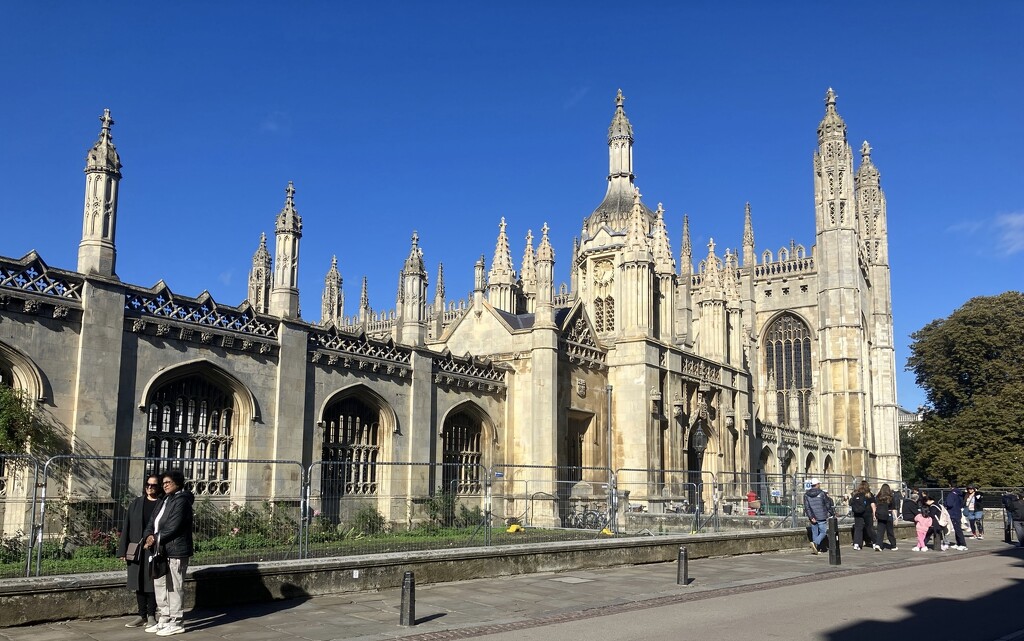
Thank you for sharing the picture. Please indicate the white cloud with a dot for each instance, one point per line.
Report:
(225, 278)
(577, 95)
(1010, 233)
(276, 122)
(967, 227)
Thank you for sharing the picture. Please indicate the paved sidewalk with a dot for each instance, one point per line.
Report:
(475, 608)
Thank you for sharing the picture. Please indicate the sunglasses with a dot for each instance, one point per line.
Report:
(153, 485)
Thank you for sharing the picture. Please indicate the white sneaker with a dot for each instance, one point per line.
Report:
(894, 548)
(156, 627)
(981, 537)
(876, 548)
(856, 547)
(169, 629)
(962, 548)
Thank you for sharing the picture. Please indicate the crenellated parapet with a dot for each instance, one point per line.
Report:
(470, 372)
(157, 312)
(30, 277)
(338, 349)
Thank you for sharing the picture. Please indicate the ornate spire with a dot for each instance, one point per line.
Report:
(832, 126)
(97, 251)
(620, 129)
(502, 272)
(479, 275)
(103, 155)
(260, 277)
(332, 302)
(439, 288)
(414, 263)
(288, 219)
(545, 252)
(545, 281)
(749, 258)
(686, 255)
(867, 173)
(284, 298)
(636, 237)
(529, 269)
(712, 283)
(364, 302)
(871, 209)
(664, 263)
(617, 206)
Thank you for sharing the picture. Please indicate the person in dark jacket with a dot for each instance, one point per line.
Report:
(817, 508)
(862, 521)
(170, 533)
(1017, 510)
(139, 514)
(954, 503)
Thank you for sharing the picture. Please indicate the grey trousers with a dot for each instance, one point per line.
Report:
(170, 592)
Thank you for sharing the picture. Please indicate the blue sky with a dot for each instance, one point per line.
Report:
(444, 117)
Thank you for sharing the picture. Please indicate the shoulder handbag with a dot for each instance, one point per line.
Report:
(134, 552)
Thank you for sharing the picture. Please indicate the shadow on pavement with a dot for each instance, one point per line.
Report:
(217, 604)
(989, 617)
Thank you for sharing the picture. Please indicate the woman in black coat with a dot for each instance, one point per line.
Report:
(139, 514)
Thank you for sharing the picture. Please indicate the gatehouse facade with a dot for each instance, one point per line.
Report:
(702, 361)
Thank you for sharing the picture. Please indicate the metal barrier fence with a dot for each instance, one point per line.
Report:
(18, 474)
(65, 514)
(239, 517)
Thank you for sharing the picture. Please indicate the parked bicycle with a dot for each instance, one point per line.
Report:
(586, 519)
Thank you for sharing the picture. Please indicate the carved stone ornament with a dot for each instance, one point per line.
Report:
(60, 311)
(138, 326)
(206, 338)
(186, 334)
(31, 307)
(581, 388)
(163, 330)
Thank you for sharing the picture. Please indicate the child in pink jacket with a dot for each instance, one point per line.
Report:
(923, 523)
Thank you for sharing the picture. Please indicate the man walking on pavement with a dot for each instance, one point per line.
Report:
(817, 508)
(954, 503)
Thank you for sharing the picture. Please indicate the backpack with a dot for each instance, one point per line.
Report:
(858, 504)
(909, 509)
(882, 510)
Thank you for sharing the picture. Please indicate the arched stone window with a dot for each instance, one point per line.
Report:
(787, 350)
(350, 449)
(190, 420)
(461, 454)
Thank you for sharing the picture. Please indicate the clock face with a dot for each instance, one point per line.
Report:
(603, 273)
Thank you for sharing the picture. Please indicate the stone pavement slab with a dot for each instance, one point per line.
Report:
(474, 608)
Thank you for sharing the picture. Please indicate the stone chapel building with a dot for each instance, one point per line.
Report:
(666, 367)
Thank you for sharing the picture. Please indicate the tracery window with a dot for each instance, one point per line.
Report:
(460, 454)
(350, 449)
(787, 349)
(190, 420)
(604, 314)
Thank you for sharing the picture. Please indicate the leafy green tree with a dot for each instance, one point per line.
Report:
(23, 430)
(971, 367)
(16, 421)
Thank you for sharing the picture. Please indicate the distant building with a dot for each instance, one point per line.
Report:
(744, 349)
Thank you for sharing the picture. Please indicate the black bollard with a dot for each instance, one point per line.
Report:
(683, 571)
(408, 615)
(835, 556)
(1007, 525)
